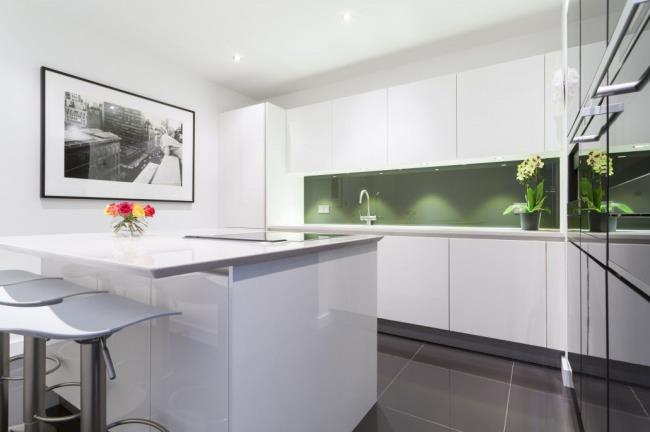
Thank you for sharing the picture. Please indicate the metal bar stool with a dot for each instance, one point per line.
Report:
(21, 289)
(88, 320)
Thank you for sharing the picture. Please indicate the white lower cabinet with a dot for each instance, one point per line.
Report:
(498, 289)
(413, 280)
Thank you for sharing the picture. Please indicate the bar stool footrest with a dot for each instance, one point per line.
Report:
(146, 422)
(61, 419)
(57, 365)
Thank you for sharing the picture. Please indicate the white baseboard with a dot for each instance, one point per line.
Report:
(567, 373)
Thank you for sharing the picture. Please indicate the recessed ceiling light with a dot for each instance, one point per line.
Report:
(347, 17)
(236, 58)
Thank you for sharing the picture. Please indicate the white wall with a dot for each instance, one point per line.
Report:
(29, 40)
(451, 56)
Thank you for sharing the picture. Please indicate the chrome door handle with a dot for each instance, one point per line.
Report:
(626, 19)
(624, 88)
(603, 129)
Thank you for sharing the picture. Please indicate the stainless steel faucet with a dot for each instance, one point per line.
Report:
(368, 218)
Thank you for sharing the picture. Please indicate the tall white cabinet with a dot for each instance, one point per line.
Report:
(422, 121)
(501, 109)
(252, 168)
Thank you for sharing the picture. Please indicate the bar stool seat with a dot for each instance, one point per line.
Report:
(81, 318)
(22, 290)
(40, 292)
(88, 320)
(12, 277)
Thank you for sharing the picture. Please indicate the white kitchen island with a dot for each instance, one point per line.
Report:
(273, 337)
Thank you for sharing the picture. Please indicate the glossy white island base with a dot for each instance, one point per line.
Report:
(275, 338)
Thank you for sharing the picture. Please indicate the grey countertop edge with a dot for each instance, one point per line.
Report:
(163, 272)
(428, 231)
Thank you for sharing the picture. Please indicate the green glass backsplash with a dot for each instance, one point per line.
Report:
(462, 195)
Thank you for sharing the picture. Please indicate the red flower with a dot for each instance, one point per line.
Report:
(125, 208)
(149, 211)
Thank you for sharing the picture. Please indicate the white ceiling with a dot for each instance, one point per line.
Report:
(283, 42)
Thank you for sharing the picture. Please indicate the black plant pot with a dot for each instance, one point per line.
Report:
(602, 222)
(530, 221)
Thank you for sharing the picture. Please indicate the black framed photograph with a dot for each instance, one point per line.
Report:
(99, 142)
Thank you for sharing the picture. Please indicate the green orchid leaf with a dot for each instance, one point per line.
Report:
(586, 189)
(539, 193)
(624, 208)
(530, 198)
(598, 195)
(516, 208)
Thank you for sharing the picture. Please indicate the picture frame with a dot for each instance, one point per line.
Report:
(101, 142)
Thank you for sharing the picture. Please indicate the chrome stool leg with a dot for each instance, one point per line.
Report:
(93, 387)
(96, 364)
(34, 382)
(4, 384)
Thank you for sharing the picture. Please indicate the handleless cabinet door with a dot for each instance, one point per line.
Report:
(241, 167)
(413, 280)
(359, 131)
(498, 289)
(422, 122)
(310, 138)
(501, 109)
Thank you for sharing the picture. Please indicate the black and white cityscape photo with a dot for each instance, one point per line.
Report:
(107, 141)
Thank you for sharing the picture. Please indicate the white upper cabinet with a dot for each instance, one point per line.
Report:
(422, 121)
(554, 107)
(359, 131)
(501, 109)
(310, 138)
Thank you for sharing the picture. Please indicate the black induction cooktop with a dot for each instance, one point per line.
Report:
(266, 236)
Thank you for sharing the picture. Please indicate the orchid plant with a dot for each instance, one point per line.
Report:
(592, 187)
(529, 174)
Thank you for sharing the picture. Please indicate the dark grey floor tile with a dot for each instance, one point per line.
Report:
(540, 378)
(594, 418)
(397, 346)
(381, 419)
(621, 398)
(644, 396)
(388, 366)
(448, 397)
(536, 411)
(624, 421)
(466, 361)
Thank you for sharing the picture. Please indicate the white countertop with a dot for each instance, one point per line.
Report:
(428, 230)
(166, 254)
